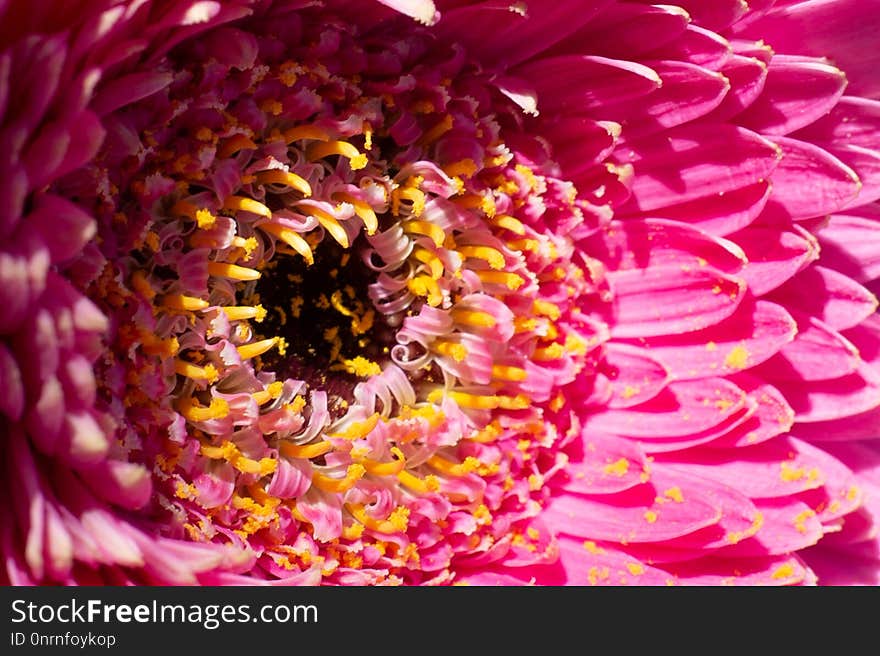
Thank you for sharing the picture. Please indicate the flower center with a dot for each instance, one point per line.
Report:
(348, 305)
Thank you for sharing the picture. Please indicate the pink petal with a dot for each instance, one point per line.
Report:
(696, 161)
(602, 564)
(853, 121)
(851, 245)
(725, 213)
(754, 333)
(603, 464)
(795, 94)
(769, 415)
(810, 181)
(789, 526)
(640, 244)
(774, 255)
(688, 93)
(747, 76)
(581, 84)
(717, 571)
(635, 375)
(533, 28)
(845, 567)
(683, 408)
(697, 46)
(827, 295)
(849, 395)
(667, 299)
(817, 352)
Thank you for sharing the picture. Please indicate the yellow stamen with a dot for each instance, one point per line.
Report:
(184, 208)
(306, 451)
(412, 194)
(335, 229)
(248, 351)
(504, 372)
(241, 312)
(205, 219)
(234, 144)
(510, 280)
(509, 223)
(454, 350)
(466, 167)
(434, 263)
(473, 318)
(320, 150)
(218, 409)
(432, 230)
(358, 429)
(233, 271)
(547, 309)
(288, 178)
(481, 401)
(354, 473)
(195, 372)
(184, 303)
(552, 352)
(426, 286)
(292, 238)
(494, 257)
(243, 204)
(362, 209)
(421, 485)
(273, 391)
(454, 469)
(305, 132)
(441, 128)
(392, 468)
(397, 521)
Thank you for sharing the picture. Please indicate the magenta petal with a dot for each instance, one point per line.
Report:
(667, 300)
(841, 397)
(639, 244)
(533, 28)
(754, 333)
(846, 566)
(579, 84)
(795, 94)
(604, 464)
(774, 255)
(635, 375)
(715, 15)
(127, 89)
(698, 46)
(818, 352)
(810, 181)
(696, 161)
(747, 76)
(683, 408)
(12, 399)
(827, 295)
(65, 227)
(866, 164)
(766, 571)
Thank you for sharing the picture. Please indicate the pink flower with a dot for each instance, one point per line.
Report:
(563, 293)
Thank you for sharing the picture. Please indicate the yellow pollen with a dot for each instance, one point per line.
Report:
(433, 262)
(141, 285)
(252, 350)
(287, 73)
(505, 372)
(791, 474)
(427, 287)
(650, 516)
(547, 309)
(362, 209)
(358, 429)
(273, 391)
(232, 271)
(675, 494)
(421, 485)
(248, 245)
(292, 238)
(412, 194)
(473, 318)
(636, 569)
(432, 230)
(239, 313)
(510, 280)
(397, 521)
(218, 409)
(207, 373)
(441, 128)
(184, 303)
(617, 468)
(593, 548)
(738, 358)
(359, 366)
(353, 474)
(454, 350)
(287, 178)
(510, 223)
(548, 353)
(783, 571)
(463, 167)
(492, 256)
(307, 451)
(205, 219)
(322, 149)
(243, 204)
(235, 143)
